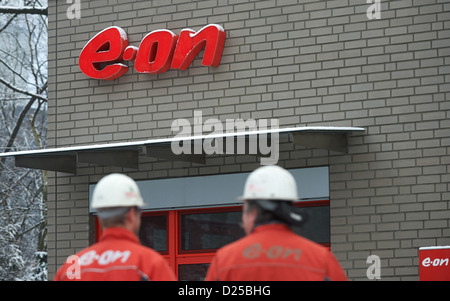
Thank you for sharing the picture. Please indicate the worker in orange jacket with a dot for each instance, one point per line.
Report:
(271, 250)
(118, 255)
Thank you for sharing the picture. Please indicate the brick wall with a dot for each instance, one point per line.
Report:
(304, 62)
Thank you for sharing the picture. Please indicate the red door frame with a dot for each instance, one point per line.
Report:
(177, 256)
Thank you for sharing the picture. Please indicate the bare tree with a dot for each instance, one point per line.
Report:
(23, 106)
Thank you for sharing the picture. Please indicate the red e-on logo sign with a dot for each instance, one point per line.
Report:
(159, 50)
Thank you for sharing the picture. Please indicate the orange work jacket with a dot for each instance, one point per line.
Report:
(272, 252)
(117, 256)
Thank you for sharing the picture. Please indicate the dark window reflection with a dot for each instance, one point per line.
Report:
(317, 228)
(192, 272)
(153, 232)
(204, 231)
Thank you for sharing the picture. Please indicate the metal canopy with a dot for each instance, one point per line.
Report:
(126, 154)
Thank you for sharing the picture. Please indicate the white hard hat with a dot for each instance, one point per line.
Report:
(116, 190)
(270, 182)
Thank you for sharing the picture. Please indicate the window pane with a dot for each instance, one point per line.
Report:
(210, 230)
(153, 232)
(192, 272)
(317, 227)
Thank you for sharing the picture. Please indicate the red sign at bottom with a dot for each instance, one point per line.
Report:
(434, 263)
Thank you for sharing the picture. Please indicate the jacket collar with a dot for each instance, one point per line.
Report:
(275, 226)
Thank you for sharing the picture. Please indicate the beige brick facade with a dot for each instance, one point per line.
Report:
(304, 62)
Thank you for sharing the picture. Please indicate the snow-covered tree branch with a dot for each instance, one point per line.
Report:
(12, 87)
(24, 10)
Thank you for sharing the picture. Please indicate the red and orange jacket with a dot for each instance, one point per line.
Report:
(117, 256)
(273, 252)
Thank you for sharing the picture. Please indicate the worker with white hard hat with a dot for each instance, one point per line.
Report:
(271, 250)
(118, 255)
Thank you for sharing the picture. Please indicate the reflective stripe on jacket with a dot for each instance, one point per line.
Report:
(273, 252)
(117, 256)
